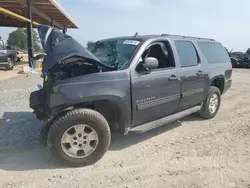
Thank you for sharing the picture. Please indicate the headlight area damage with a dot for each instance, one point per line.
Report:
(65, 58)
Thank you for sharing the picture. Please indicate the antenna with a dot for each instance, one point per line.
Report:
(136, 34)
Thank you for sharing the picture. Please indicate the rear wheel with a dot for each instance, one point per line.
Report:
(211, 104)
(10, 64)
(80, 137)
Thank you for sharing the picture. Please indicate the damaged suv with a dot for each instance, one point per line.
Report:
(133, 84)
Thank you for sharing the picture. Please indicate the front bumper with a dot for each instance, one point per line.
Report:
(38, 104)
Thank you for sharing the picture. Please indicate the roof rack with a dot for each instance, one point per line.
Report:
(180, 36)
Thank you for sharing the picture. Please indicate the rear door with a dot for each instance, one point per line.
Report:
(193, 75)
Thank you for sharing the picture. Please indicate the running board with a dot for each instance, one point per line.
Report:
(168, 119)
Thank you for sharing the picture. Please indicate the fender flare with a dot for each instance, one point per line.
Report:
(218, 76)
(45, 128)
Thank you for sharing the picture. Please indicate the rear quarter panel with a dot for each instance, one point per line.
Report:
(215, 70)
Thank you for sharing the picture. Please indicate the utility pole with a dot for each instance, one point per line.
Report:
(29, 27)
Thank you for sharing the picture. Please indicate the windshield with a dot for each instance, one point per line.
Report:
(116, 53)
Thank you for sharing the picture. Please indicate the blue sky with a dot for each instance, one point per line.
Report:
(224, 20)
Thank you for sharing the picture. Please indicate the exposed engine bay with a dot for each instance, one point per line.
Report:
(73, 67)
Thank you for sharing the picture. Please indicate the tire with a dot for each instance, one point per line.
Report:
(10, 65)
(205, 111)
(70, 121)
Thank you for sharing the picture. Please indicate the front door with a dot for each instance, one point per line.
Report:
(156, 94)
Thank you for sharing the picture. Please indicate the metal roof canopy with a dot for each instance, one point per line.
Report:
(47, 12)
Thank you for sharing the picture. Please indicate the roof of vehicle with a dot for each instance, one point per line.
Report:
(145, 37)
(237, 52)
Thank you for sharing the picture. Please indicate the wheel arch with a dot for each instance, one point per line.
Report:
(111, 109)
(219, 82)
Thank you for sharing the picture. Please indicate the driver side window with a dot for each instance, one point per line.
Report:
(162, 52)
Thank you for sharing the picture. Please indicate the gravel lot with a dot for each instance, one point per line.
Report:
(190, 153)
(7, 74)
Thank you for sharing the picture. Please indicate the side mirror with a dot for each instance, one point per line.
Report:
(150, 63)
(147, 65)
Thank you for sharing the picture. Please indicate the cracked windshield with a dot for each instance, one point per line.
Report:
(116, 53)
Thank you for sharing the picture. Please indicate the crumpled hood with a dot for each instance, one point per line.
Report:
(59, 46)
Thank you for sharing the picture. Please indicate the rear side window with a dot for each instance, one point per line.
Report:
(187, 53)
(214, 52)
(1, 47)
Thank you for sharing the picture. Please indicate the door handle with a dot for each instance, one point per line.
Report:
(173, 78)
(200, 73)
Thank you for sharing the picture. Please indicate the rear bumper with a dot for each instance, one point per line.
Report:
(227, 86)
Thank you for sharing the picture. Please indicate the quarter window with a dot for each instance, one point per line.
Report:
(187, 53)
(214, 52)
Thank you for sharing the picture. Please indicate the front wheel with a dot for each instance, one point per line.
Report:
(10, 64)
(211, 104)
(79, 138)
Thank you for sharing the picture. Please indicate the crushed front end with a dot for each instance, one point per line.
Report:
(65, 58)
(39, 100)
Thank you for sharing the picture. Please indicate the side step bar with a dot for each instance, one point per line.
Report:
(168, 119)
(3, 63)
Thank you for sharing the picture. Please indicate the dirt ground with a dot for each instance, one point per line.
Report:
(190, 153)
(7, 74)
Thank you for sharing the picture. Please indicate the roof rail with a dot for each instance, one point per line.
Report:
(180, 36)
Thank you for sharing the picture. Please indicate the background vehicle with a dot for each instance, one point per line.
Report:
(133, 84)
(8, 57)
(240, 59)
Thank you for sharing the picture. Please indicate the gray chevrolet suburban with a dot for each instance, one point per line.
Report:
(134, 84)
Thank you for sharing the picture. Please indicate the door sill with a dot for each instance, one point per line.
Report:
(163, 121)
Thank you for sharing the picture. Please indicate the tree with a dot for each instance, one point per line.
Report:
(248, 51)
(89, 44)
(18, 38)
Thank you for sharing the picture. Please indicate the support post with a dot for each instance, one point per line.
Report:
(29, 27)
(64, 29)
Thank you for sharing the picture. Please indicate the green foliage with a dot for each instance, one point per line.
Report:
(89, 44)
(248, 51)
(18, 38)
